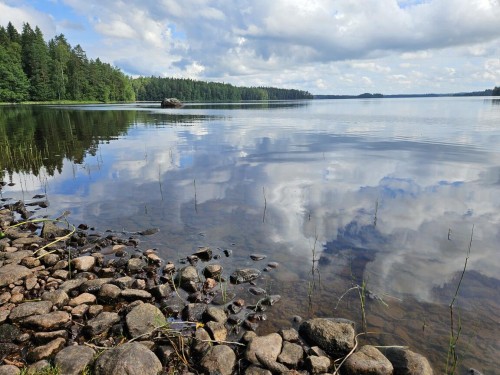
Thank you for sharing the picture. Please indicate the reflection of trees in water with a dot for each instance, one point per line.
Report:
(32, 137)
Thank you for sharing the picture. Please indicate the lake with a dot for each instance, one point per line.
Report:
(375, 198)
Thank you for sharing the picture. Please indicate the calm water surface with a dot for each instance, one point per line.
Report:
(382, 192)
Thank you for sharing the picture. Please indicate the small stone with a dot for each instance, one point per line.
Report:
(290, 335)
(204, 253)
(291, 354)
(95, 310)
(45, 337)
(133, 294)
(335, 338)
(144, 319)
(160, 291)
(256, 370)
(84, 298)
(136, 265)
(213, 271)
(244, 275)
(257, 257)
(30, 308)
(38, 367)
(61, 274)
(109, 293)
(215, 314)
(217, 331)
(317, 365)
(46, 351)
(201, 342)
(123, 282)
(101, 323)
(57, 297)
(79, 311)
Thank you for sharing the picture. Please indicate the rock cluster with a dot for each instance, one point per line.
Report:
(88, 302)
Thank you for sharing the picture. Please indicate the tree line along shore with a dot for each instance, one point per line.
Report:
(38, 71)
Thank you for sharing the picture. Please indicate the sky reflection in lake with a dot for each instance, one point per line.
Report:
(401, 181)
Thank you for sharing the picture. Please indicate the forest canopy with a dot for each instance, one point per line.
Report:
(32, 69)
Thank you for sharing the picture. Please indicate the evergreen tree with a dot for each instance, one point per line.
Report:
(496, 91)
(60, 52)
(14, 84)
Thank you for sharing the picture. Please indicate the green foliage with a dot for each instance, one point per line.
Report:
(496, 91)
(156, 89)
(31, 69)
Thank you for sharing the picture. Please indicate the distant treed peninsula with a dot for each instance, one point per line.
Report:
(33, 70)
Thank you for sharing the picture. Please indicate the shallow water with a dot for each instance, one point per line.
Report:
(386, 192)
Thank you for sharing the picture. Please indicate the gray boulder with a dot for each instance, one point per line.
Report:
(368, 361)
(144, 319)
(128, 359)
(406, 362)
(73, 360)
(268, 346)
(171, 103)
(291, 354)
(219, 359)
(335, 338)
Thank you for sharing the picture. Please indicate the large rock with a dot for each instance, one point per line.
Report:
(219, 359)
(47, 322)
(368, 361)
(10, 273)
(291, 354)
(269, 346)
(335, 338)
(171, 103)
(30, 308)
(73, 360)
(406, 362)
(57, 297)
(9, 370)
(144, 319)
(128, 359)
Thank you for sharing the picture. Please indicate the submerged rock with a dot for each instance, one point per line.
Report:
(244, 275)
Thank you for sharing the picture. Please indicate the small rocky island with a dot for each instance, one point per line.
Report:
(171, 103)
(78, 301)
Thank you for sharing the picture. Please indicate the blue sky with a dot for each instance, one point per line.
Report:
(323, 46)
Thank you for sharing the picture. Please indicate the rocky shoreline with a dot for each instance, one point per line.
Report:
(77, 301)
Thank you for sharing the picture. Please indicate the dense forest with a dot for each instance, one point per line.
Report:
(31, 69)
(156, 88)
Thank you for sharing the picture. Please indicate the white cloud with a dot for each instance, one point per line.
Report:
(256, 41)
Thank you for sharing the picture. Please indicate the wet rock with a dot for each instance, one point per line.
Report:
(135, 294)
(290, 334)
(128, 359)
(213, 271)
(46, 351)
(109, 293)
(473, 371)
(101, 323)
(269, 345)
(335, 338)
(291, 354)
(50, 230)
(317, 365)
(201, 342)
(209, 284)
(84, 263)
(273, 264)
(271, 300)
(223, 298)
(73, 360)
(28, 309)
(136, 265)
(368, 360)
(10, 273)
(257, 257)
(217, 331)
(193, 312)
(244, 275)
(204, 253)
(47, 322)
(58, 297)
(219, 359)
(186, 274)
(9, 370)
(144, 319)
(84, 298)
(256, 291)
(406, 362)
